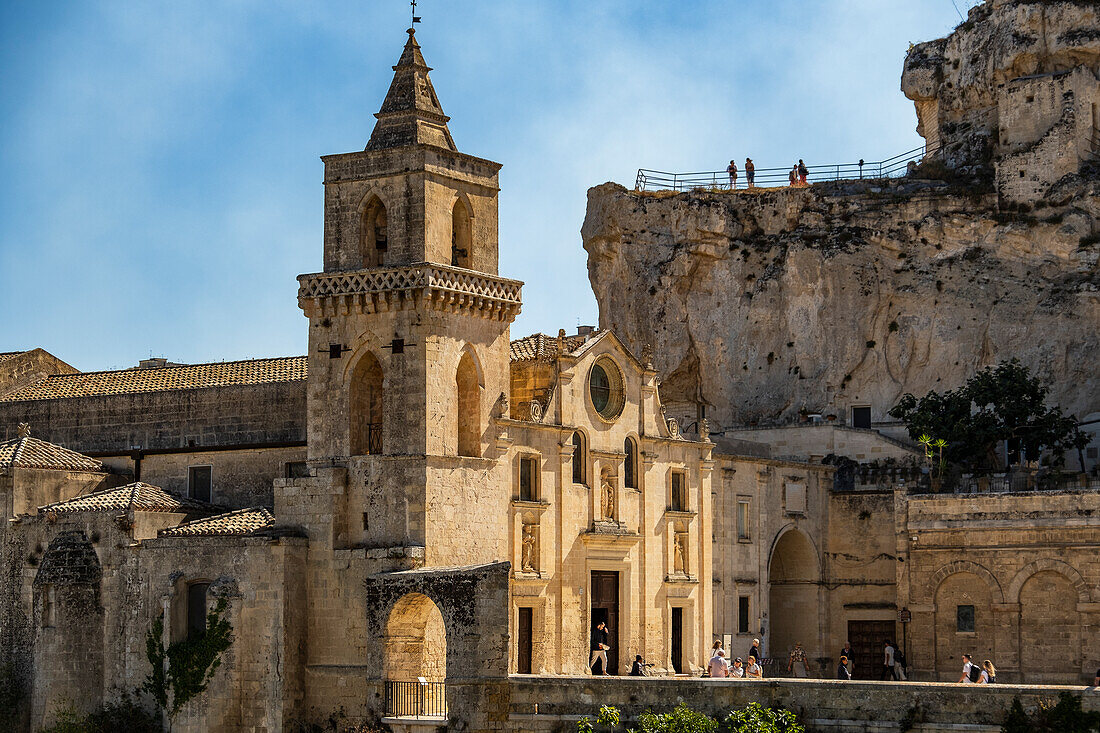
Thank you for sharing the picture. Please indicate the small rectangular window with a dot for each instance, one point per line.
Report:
(297, 469)
(743, 519)
(679, 492)
(964, 619)
(743, 615)
(196, 609)
(527, 479)
(199, 483)
(861, 417)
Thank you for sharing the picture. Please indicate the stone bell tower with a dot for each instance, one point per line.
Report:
(408, 323)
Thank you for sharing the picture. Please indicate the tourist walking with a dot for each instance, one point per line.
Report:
(718, 666)
(967, 667)
(792, 177)
(754, 650)
(803, 172)
(797, 661)
(731, 169)
(989, 673)
(888, 661)
(738, 668)
(599, 648)
(846, 652)
(842, 671)
(750, 172)
(754, 670)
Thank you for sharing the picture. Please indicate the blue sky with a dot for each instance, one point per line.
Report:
(160, 186)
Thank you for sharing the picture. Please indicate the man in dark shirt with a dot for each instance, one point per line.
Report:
(638, 668)
(842, 672)
(754, 651)
(599, 647)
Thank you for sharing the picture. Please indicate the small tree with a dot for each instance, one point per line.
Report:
(1005, 402)
(182, 671)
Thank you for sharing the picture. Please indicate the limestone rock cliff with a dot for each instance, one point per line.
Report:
(765, 304)
(762, 304)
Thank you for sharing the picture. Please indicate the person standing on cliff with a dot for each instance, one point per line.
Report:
(803, 172)
(750, 172)
(792, 177)
(731, 169)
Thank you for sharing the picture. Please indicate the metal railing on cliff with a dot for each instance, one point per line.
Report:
(651, 180)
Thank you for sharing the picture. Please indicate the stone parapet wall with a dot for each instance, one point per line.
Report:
(554, 703)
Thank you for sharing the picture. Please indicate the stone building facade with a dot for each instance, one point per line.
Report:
(423, 500)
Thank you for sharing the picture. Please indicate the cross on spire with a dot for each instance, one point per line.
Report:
(416, 18)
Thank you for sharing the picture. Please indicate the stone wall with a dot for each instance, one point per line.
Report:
(555, 704)
(1028, 566)
(814, 442)
(202, 418)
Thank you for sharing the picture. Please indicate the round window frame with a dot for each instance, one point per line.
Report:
(617, 398)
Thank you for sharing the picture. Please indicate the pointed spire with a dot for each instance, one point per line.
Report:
(411, 113)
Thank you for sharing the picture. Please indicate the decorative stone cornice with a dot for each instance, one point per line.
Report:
(425, 284)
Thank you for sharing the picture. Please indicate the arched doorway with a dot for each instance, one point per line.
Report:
(964, 623)
(461, 235)
(365, 407)
(1050, 631)
(414, 662)
(468, 414)
(374, 233)
(794, 574)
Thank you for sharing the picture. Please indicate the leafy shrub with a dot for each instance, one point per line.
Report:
(682, 719)
(125, 714)
(759, 719)
(1065, 716)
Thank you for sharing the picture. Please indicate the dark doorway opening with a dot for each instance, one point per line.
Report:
(861, 417)
(605, 607)
(868, 639)
(678, 640)
(523, 657)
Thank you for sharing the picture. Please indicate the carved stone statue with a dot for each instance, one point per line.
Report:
(647, 356)
(608, 498)
(500, 409)
(678, 563)
(528, 562)
(24, 430)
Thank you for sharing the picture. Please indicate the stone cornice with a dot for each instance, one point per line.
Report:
(434, 286)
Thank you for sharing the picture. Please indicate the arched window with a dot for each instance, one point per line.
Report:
(630, 465)
(461, 236)
(196, 609)
(365, 407)
(580, 458)
(374, 233)
(469, 407)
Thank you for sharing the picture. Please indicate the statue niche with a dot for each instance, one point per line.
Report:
(607, 489)
(529, 554)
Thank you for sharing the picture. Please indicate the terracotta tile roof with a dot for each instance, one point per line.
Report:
(540, 347)
(240, 522)
(163, 379)
(9, 355)
(138, 496)
(28, 452)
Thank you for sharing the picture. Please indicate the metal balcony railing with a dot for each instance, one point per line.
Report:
(417, 699)
(651, 180)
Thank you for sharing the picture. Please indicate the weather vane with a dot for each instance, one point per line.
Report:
(416, 18)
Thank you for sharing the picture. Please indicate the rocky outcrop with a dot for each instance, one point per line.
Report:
(764, 304)
(959, 83)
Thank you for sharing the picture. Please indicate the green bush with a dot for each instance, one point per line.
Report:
(758, 719)
(682, 719)
(125, 714)
(1065, 716)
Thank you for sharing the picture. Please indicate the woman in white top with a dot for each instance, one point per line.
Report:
(754, 671)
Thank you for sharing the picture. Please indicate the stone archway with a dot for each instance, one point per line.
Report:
(794, 575)
(414, 658)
